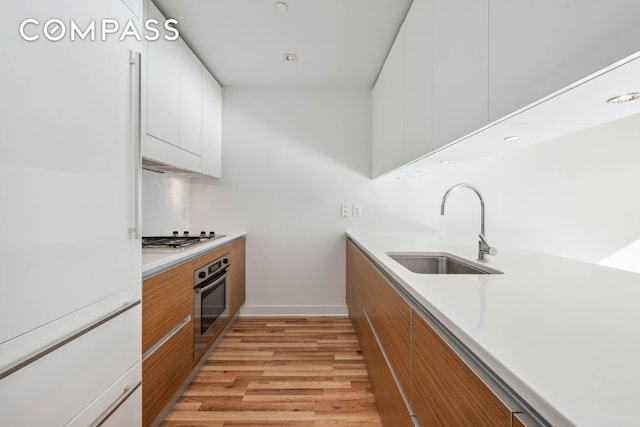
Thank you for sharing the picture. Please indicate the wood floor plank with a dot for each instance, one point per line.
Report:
(286, 371)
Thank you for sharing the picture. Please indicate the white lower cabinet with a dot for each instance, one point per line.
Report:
(119, 406)
(129, 413)
(78, 380)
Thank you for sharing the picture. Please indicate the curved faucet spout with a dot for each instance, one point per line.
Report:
(455, 187)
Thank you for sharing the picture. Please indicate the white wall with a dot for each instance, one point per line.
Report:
(165, 203)
(291, 157)
(575, 196)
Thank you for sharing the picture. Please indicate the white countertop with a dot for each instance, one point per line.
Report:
(156, 260)
(564, 334)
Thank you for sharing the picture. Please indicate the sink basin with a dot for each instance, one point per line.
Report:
(440, 263)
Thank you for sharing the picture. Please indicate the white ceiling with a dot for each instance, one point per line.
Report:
(242, 42)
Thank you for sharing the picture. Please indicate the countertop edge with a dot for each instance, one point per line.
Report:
(173, 259)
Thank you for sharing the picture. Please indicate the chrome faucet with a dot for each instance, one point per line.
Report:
(483, 246)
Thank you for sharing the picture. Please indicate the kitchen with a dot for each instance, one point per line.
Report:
(292, 156)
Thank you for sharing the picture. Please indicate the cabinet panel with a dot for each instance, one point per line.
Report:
(163, 86)
(238, 255)
(211, 126)
(540, 46)
(388, 111)
(446, 391)
(66, 159)
(190, 101)
(360, 293)
(460, 68)
(391, 318)
(129, 414)
(111, 406)
(418, 70)
(391, 406)
(164, 371)
(167, 299)
(53, 389)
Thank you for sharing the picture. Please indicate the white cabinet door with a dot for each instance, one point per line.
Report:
(418, 69)
(163, 86)
(460, 68)
(388, 111)
(67, 167)
(190, 101)
(539, 46)
(211, 126)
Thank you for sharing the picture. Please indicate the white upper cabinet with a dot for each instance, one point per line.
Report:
(539, 46)
(433, 87)
(418, 73)
(190, 103)
(163, 87)
(211, 126)
(460, 69)
(178, 89)
(388, 111)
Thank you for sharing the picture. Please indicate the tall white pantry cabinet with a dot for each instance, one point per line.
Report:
(70, 317)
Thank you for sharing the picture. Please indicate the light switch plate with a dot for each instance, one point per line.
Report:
(345, 211)
(357, 210)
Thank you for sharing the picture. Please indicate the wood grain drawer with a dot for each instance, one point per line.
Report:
(446, 392)
(167, 299)
(364, 287)
(164, 371)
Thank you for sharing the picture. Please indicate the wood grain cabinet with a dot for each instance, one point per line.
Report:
(446, 392)
(167, 326)
(366, 290)
(238, 293)
(405, 354)
(167, 301)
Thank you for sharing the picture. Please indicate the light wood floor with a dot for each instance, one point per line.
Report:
(286, 371)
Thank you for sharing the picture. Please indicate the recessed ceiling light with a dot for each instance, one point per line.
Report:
(512, 138)
(290, 57)
(445, 162)
(417, 171)
(624, 98)
(281, 6)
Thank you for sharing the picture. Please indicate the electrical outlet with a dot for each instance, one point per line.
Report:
(345, 210)
(357, 210)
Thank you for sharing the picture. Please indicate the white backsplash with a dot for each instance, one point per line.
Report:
(165, 203)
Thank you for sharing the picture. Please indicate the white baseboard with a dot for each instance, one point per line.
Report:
(294, 310)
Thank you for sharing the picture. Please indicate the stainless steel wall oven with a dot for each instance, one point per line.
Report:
(210, 302)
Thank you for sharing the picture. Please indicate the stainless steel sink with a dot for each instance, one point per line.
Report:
(440, 263)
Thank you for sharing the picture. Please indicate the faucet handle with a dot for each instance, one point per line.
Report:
(485, 248)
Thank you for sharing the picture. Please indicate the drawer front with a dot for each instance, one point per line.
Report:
(166, 299)
(120, 405)
(164, 371)
(445, 390)
(129, 414)
(56, 388)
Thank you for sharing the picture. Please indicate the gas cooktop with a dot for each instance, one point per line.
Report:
(177, 241)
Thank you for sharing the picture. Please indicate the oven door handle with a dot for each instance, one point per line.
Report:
(215, 283)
